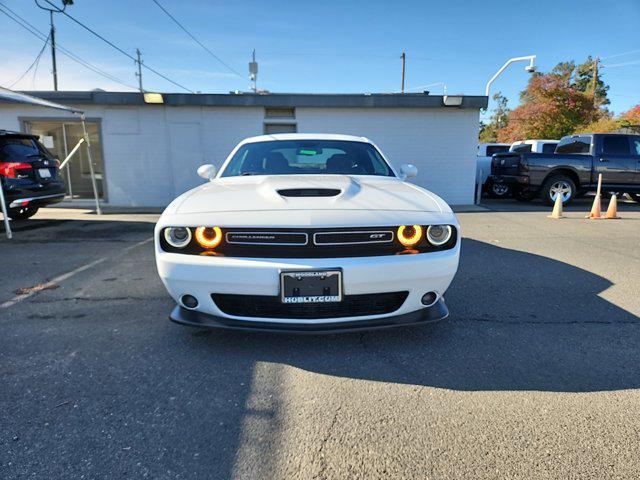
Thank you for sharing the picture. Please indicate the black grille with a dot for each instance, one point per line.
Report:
(266, 238)
(349, 238)
(303, 243)
(263, 306)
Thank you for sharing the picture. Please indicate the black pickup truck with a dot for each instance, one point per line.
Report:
(573, 169)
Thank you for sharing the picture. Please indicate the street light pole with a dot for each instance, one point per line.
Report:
(529, 68)
(53, 9)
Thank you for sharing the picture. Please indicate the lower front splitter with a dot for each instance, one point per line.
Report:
(434, 313)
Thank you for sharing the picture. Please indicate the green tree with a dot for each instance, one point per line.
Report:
(583, 81)
(499, 120)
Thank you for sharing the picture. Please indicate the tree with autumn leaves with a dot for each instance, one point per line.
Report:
(561, 102)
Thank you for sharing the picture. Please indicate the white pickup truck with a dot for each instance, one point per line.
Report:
(486, 151)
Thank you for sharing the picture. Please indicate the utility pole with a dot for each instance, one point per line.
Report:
(52, 34)
(595, 80)
(404, 59)
(139, 72)
(53, 53)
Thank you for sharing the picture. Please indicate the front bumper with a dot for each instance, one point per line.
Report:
(434, 313)
(202, 276)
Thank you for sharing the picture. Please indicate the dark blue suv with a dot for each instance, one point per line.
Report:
(29, 174)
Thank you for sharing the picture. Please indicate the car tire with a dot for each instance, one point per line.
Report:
(498, 190)
(523, 195)
(558, 184)
(22, 213)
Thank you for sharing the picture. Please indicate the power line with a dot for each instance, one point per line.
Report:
(113, 45)
(622, 64)
(35, 32)
(35, 60)
(35, 72)
(196, 40)
(630, 52)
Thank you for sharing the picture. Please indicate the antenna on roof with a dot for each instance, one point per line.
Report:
(253, 72)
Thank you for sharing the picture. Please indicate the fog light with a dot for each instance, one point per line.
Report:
(409, 235)
(189, 301)
(209, 237)
(429, 298)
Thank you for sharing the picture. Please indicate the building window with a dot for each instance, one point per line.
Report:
(271, 128)
(280, 112)
(60, 137)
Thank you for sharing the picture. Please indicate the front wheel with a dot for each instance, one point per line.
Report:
(523, 195)
(558, 185)
(22, 213)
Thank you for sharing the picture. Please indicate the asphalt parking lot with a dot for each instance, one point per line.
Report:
(535, 375)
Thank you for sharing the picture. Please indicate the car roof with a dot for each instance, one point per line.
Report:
(9, 133)
(305, 136)
(540, 140)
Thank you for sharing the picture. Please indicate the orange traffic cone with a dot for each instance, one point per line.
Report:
(557, 208)
(612, 211)
(596, 209)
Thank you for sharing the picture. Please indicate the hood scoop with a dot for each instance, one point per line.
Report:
(309, 192)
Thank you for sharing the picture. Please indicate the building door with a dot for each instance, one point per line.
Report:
(60, 137)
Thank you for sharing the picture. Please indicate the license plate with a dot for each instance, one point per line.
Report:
(44, 173)
(311, 286)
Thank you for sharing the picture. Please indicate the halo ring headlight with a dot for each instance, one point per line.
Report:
(439, 234)
(409, 235)
(208, 237)
(178, 237)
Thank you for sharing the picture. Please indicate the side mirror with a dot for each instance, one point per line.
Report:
(207, 171)
(408, 171)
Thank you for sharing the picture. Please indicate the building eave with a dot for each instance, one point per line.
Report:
(301, 100)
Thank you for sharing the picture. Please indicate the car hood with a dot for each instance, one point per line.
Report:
(307, 192)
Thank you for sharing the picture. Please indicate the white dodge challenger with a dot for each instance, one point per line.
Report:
(307, 233)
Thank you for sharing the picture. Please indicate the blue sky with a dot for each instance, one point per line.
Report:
(331, 46)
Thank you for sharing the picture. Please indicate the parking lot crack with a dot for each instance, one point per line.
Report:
(321, 454)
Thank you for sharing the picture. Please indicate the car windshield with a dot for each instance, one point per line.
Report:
(307, 157)
(19, 148)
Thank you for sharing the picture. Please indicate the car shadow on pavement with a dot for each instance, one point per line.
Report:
(518, 321)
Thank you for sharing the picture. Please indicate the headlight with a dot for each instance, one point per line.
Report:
(409, 235)
(438, 234)
(178, 237)
(208, 237)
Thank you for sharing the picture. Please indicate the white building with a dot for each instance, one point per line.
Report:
(147, 153)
